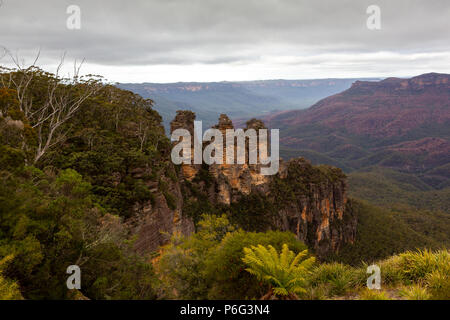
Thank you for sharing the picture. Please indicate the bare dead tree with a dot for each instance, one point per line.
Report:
(142, 133)
(59, 108)
(63, 99)
(23, 82)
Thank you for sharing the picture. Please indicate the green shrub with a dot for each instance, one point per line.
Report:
(183, 264)
(285, 272)
(11, 158)
(227, 270)
(438, 283)
(9, 290)
(415, 292)
(209, 263)
(338, 277)
(417, 265)
(368, 294)
(318, 292)
(391, 271)
(50, 221)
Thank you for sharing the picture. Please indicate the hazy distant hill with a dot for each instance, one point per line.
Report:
(236, 99)
(400, 124)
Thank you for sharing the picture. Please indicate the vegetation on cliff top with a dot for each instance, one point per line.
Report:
(68, 150)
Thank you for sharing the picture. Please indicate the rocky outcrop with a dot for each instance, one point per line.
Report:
(318, 213)
(309, 201)
(156, 220)
(185, 120)
(234, 180)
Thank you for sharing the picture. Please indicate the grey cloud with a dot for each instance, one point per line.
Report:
(212, 32)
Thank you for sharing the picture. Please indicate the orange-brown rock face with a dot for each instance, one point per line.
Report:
(318, 214)
(235, 179)
(185, 120)
(311, 202)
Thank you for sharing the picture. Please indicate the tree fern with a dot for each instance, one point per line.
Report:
(284, 272)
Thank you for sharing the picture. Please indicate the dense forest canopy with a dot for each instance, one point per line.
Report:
(62, 141)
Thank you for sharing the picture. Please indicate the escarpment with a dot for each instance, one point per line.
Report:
(309, 201)
(156, 219)
(312, 203)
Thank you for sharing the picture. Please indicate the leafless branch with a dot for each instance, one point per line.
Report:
(64, 98)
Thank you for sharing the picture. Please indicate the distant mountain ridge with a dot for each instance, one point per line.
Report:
(358, 108)
(402, 124)
(238, 99)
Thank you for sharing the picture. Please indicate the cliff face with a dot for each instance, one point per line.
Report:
(313, 205)
(309, 201)
(154, 221)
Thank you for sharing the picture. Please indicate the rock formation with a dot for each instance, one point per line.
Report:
(309, 201)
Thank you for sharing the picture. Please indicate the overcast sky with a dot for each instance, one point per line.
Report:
(211, 40)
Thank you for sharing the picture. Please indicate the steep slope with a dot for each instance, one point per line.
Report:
(382, 233)
(390, 188)
(402, 124)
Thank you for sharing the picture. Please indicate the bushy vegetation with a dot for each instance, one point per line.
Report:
(367, 294)
(423, 274)
(68, 149)
(9, 290)
(222, 262)
(285, 273)
(333, 278)
(209, 264)
(412, 275)
(50, 221)
(415, 292)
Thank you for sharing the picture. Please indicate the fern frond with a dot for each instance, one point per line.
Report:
(284, 272)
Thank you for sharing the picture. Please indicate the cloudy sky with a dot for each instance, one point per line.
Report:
(212, 40)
